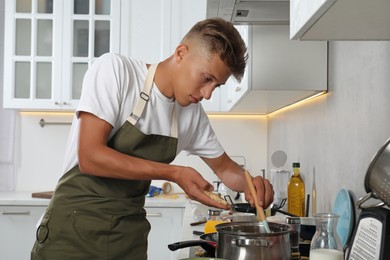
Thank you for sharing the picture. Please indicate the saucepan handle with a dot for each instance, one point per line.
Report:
(208, 246)
(363, 199)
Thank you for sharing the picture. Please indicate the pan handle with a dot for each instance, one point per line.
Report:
(208, 246)
(363, 199)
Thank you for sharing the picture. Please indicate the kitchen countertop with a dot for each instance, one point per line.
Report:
(24, 198)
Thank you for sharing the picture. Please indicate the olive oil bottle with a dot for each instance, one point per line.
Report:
(296, 192)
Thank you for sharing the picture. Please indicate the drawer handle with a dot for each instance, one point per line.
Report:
(154, 215)
(16, 212)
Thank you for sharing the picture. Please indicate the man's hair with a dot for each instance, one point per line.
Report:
(221, 37)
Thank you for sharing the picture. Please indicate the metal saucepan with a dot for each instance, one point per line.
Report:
(207, 241)
(247, 240)
(377, 180)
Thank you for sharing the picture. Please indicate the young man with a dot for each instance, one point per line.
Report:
(132, 121)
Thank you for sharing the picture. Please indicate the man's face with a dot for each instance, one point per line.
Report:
(198, 75)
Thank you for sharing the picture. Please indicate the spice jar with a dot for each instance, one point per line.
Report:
(214, 218)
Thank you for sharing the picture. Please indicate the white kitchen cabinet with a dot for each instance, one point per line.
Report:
(49, 46)
(17, 230)
(281, 72)
(152, 34)
(166, 227)
(339, 19)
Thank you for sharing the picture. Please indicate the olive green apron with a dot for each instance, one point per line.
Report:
(93, 217)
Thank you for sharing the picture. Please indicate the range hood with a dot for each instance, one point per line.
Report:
(258, 12)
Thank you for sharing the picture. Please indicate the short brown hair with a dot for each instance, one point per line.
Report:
(221, 37)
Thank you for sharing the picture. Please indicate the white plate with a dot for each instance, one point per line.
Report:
(344, 208)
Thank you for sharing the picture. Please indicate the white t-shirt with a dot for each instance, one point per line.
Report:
(110, 89)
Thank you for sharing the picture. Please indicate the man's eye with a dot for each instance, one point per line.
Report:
(207, 79)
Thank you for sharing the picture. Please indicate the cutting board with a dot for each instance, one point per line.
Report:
(42, 194)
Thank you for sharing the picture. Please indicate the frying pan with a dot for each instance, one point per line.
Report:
(377, 181)
(207, 241)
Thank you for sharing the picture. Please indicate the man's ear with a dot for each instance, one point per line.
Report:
(180, 52)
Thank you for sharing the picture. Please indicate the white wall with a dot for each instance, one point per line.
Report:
(340, 132)
(39, 151)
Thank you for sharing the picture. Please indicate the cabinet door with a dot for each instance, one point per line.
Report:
(166, 226)
(18, 227)
(32, 59)
(146, 29)
(51, 43)
(233, 90)
(92, 29)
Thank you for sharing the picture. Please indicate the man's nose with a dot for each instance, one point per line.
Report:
(207, 91)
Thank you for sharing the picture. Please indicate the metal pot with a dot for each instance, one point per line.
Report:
(377, 180)
(247, 240)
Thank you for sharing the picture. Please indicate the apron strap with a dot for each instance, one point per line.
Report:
(144, 96)
(174, 122)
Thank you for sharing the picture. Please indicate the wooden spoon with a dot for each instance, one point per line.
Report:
(259, 209)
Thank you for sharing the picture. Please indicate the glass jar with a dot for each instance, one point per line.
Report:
(214, 218)
(295, 224)
(326, 243)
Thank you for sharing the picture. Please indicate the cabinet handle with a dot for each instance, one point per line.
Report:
(56, 103)
(65, 103)
(16, 212)
(238, 89)
(154, 215)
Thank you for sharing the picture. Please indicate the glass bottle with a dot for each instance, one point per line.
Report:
(296, 192)
(214, 218)
(326, 243)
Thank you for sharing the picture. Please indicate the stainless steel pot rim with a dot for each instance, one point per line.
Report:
(236, 228)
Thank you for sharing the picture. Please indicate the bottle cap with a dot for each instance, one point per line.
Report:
(213, 212)
(296, 165)
(293, 220)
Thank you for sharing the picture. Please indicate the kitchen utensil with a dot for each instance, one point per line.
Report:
(343, 207)
(244, 207)
(260, 211)
(240, 207)
(377, 180)
(207, 241)
(371, 238)
(247, 240)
